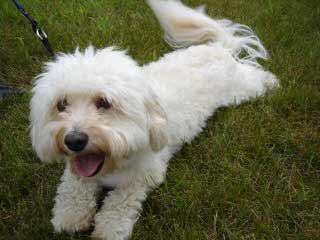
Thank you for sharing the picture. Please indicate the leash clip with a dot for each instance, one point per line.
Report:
(37, 30)
(41, 34)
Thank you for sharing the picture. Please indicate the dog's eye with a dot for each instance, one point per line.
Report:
(103, 103)
(62, 105)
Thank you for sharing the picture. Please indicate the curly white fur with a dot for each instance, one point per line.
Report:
(155, 109)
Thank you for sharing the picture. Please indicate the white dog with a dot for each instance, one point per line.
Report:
(117, 124)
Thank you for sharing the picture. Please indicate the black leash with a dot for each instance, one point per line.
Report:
(6, 90)
(37, 30)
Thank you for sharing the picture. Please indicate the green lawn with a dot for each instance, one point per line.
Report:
(254, 173)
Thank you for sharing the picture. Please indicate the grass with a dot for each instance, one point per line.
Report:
(252, 174)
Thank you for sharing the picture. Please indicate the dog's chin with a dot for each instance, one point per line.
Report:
(88, 165)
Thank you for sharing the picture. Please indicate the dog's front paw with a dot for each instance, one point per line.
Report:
(73, 220)
(107, 233)
(111, 228)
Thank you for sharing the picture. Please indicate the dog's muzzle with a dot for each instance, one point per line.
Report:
(85, 164)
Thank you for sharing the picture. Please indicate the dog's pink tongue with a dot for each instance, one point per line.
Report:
(89, 164)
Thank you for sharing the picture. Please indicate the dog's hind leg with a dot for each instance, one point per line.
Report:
(75, 203)
(248, 82)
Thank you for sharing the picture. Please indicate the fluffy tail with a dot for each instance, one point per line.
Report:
(185, 26)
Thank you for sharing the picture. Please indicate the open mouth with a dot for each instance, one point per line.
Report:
(88, 165)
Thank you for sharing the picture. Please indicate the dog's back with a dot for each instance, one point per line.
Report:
(207, 72)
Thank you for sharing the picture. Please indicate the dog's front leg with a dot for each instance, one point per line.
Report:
(120, 211)
(75, 203)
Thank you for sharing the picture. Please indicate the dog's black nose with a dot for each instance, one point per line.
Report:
(76, 141)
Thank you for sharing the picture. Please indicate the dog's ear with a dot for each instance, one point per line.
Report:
(41, 133)
(157, 125)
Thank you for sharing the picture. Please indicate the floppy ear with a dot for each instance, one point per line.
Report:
(41, 135)
(157, 125)
(43, 140)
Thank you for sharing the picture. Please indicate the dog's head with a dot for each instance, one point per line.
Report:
(95, 109)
